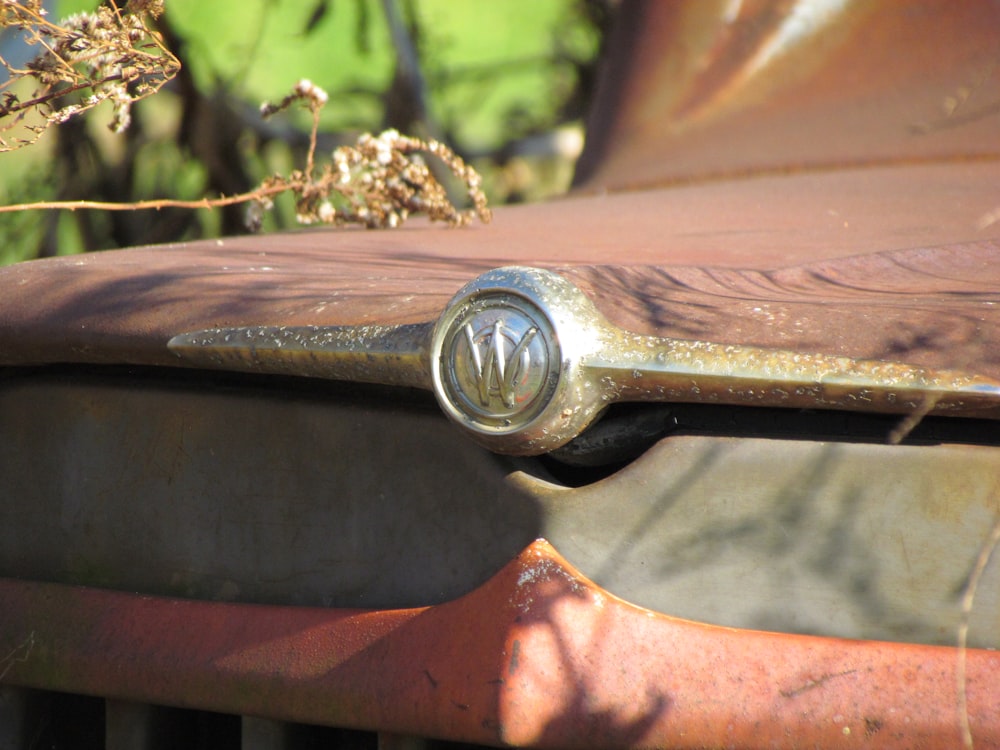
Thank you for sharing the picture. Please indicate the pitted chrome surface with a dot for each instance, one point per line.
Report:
(506, 360)
(524, 362)
(387, 355)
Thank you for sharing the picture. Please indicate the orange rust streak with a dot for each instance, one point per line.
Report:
(596, 671)
(537, 656)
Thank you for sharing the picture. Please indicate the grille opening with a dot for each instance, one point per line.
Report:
(50, 720)
(35, 719)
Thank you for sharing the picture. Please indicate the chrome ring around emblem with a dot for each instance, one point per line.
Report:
(505, 357)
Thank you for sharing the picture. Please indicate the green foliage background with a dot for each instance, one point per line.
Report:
(498, 74)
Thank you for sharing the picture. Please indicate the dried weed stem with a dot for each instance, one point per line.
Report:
(378, 182)
(109, 55)
(968, 599)
(19, 654)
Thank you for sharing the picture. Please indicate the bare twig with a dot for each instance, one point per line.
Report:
(113, 54)
(909, 423)
(982, 560)
(378, 182)
(19, 654)
(158, 203)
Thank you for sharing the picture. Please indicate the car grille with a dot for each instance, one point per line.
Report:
(37, 720)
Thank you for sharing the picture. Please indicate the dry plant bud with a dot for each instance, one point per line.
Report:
(378, 182)
(305, 91)
(108, 55)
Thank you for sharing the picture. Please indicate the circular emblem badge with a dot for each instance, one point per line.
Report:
(507, 359)
(498, 362)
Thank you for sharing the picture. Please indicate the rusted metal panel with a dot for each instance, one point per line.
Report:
(253, 493)
(536, 657)
(702, 89)
(123, 307)
(228, 490)
(813, 132)
(921, 306)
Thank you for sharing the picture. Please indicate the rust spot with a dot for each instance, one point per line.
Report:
(515, 653)
(811, 684)
(872, 726)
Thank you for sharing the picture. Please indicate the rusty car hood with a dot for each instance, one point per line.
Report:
(811, 263)
(822, 179)
(702, 90)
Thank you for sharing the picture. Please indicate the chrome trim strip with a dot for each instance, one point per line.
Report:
(524, 362)
(387, 355)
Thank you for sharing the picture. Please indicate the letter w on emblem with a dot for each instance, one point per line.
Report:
(495, 372)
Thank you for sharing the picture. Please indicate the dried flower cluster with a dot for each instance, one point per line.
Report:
(108, 55)
(113, 55)
(378, 182)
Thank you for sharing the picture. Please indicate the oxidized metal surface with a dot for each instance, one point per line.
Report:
(791, 134)
(524, 362)
(770, 261)
(315, 493)
(699, 90)
(536, 657)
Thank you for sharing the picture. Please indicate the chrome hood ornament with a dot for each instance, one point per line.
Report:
(524, 362)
